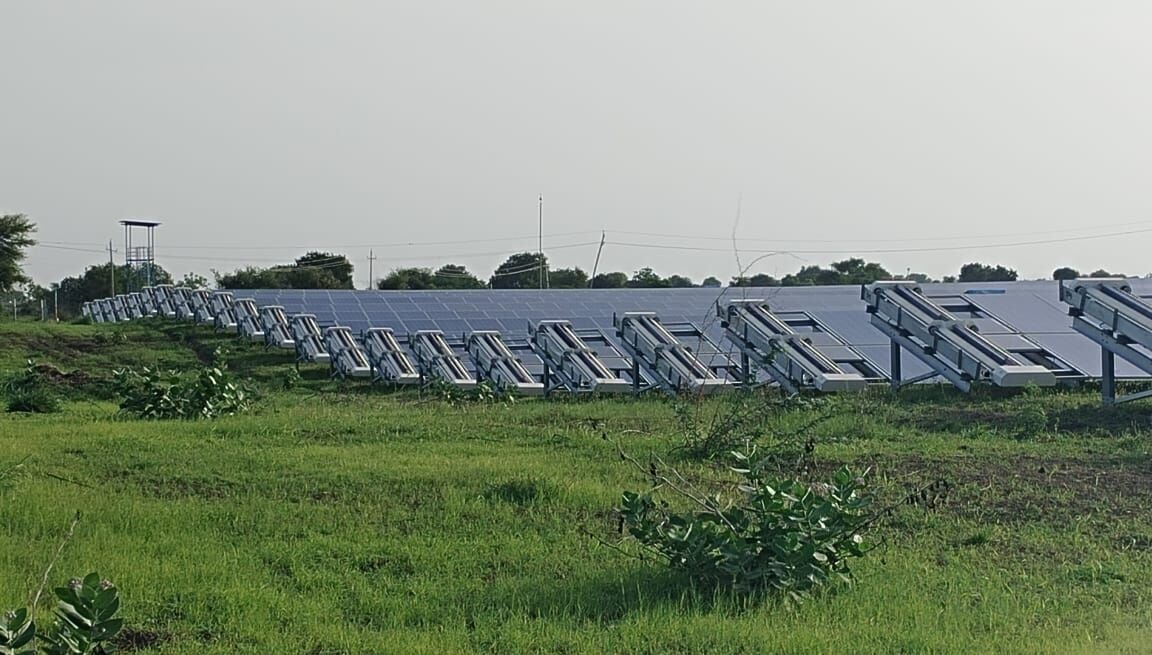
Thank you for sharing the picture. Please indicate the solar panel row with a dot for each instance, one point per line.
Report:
(1033, 309)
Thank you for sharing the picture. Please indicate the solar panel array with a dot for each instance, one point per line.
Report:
(1000, 309)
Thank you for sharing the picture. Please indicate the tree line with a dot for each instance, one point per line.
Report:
(525, 270)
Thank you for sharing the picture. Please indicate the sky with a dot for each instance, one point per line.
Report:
(692, 138)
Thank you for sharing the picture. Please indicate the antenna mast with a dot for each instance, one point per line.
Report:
(540, 239)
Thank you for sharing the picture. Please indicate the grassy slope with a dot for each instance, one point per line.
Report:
(332, 522)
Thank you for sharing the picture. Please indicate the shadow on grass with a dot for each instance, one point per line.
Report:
(610, 596)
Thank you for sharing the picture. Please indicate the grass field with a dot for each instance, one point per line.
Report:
(340, 519)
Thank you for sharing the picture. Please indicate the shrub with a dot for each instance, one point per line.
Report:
(205, 393)
(28, 392)
(85, 622)
(784, 535)
(714, 427)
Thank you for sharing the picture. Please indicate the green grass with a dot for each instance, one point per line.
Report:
(331, 521)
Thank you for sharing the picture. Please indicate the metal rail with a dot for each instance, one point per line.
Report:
(952, 348)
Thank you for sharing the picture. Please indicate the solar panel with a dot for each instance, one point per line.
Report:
(1032, 309)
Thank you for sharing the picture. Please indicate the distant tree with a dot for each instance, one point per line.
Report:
(918, 278)
(949, 279)
(763, 280)
(96, 282)
(976, 272)
(1065, 273)
(455, 276)
(193, 281)
(711, 282)
(1103, 273)
(250, 277)
(15, 238)
(678, 282)
(857, 271)
(337, 266)
(645, 278)
(520, 271)
(615, 280)
(567, 278)
(407, 279)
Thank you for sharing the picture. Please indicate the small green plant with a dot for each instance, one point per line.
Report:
(201, 394)
(16, 631)
(28, 392)
(484, 393)
(85, 623)
(779, 534)
(85, 618)
(290, 379)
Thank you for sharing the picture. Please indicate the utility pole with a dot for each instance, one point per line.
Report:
(540, 239)
(371, 277)
(56, 303)
(592, 280)
(112, 269)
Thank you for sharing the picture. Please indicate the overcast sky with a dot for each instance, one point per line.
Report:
(253, 130)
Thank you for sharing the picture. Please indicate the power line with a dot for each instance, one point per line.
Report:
(878, 251)
(700, 237)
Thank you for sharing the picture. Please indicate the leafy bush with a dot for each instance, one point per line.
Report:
(714, 427)
(85, 622)
(484, 393)
(205, 393)
(28, 392)
(784, 535)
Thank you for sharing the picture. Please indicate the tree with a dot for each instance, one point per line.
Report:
(763, 280)
(1065, 273)
(15, 238)
(449, 276)
(250, 277)
(415, 279)
(1103, 273)
(976, 272)
(520, 271)
(678, 282)
(645, 278)
(615, 280)
(96, 282)
(567, 278)
(454, 276)
(193, 281)
(337, 266)
(711, 282)
(918, 278)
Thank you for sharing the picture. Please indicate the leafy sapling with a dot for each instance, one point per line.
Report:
(85, 618)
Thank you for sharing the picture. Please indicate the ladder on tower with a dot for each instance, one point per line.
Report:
(954, 349)
(345, 355)
(389, 361)
(673, 364)
(436, 360)
(1107, 311)
(277, 333)
(495, 362)
(790, 359)
(308, 340)
(570, 361)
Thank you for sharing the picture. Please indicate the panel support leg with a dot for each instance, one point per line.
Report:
(1108, 377)
(635, 376)
(894, 364)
